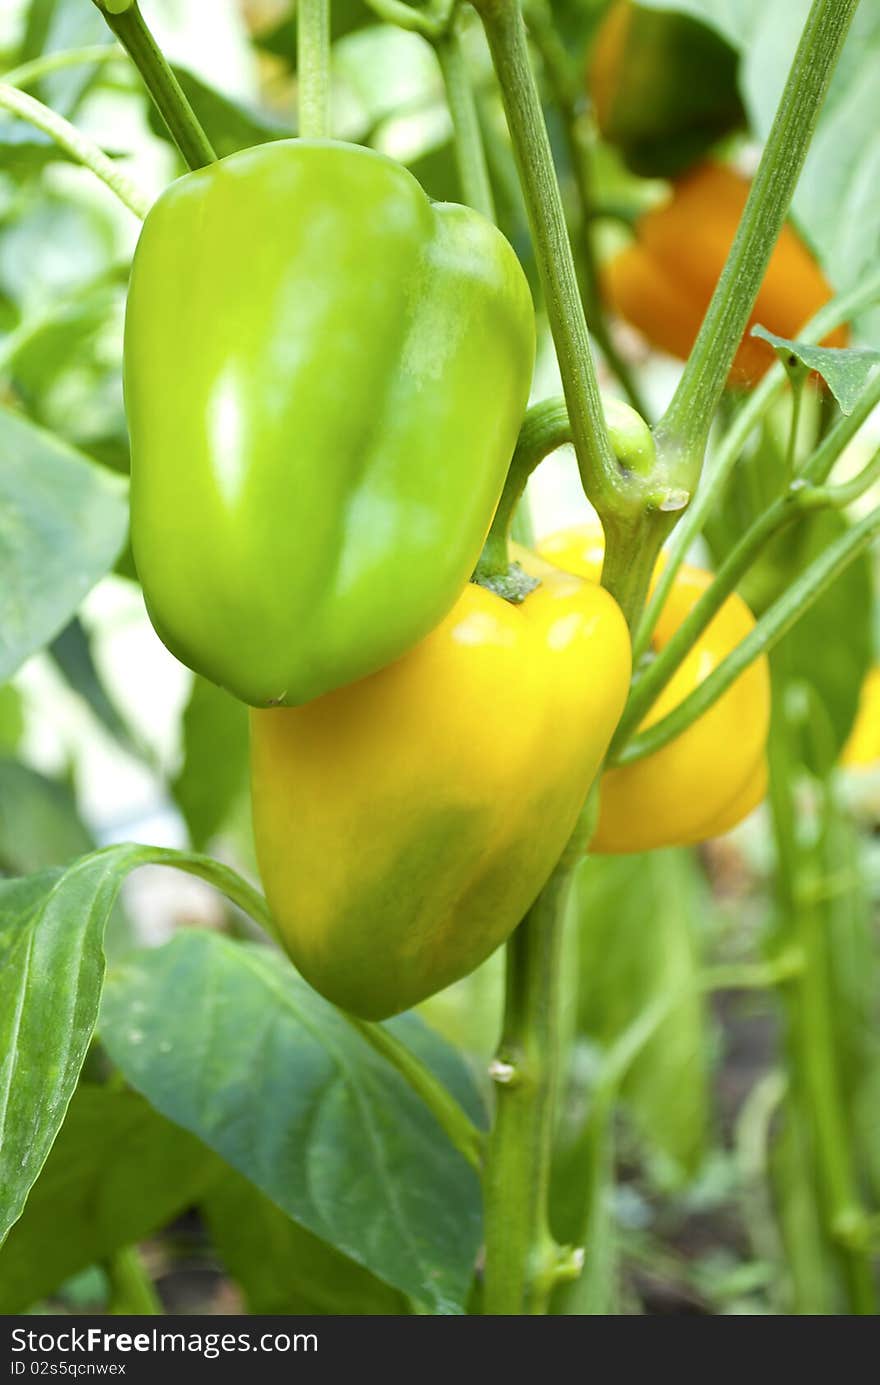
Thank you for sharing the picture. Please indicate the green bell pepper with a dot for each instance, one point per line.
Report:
(325, 374)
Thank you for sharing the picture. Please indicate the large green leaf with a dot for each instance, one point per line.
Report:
(117, 1172)
(281, 1267)
(63, 522)
(51, 969)
(228, 1041)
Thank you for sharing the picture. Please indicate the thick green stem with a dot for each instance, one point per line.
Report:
(167, 93)
(470, 155)
(798, 500)
(523, 1263)
(770, 629)
(313, 67)
(74, 144)
(565, 82)
(630, 557)
(545, 428)
(839, 310)
(506, 33)
(650, 684)
(462, 1132)
(684, 429)
(814, 1079)
(519, 1248)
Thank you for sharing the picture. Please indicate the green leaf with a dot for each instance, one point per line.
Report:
(209, 784)
(228, 1041)
(229, 124)
(47, 342)
(11, 717)
(845, 370)
(51, 930)
(38, 20)
(117, 1172)
(626, 962)
(63, 522)
(281, 1267)
(72, 652)
(25, 151)
(39, 823)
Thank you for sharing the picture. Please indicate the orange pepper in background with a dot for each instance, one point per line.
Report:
(663, 282)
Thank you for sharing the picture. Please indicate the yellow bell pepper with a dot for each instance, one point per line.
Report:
(862, 749)
(405, 823)
(711, 776)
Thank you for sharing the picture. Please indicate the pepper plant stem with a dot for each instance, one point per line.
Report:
(470, 155)
(313, 67)
(76, 145)
(517, 1238)
(522, 1260)
(839, 310)
(589, 1295)
(131, 1289)
(816, 1098)
(47, 63)
(800, 498)
(684, 428)
(770, 629)
(506, 34)
(167, 93)
(560, 72)
(544, 428)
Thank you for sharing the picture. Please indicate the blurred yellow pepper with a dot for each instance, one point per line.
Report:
(711, 776)
(862, 748)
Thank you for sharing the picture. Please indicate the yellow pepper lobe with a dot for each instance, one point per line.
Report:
(405, 823)
(862, 748)
(711, 776)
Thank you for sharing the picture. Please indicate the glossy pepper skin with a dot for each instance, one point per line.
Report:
(325, 374)
(709, 778)
(663, 281)
(404, 824)
(862, 749)
(663, 87)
